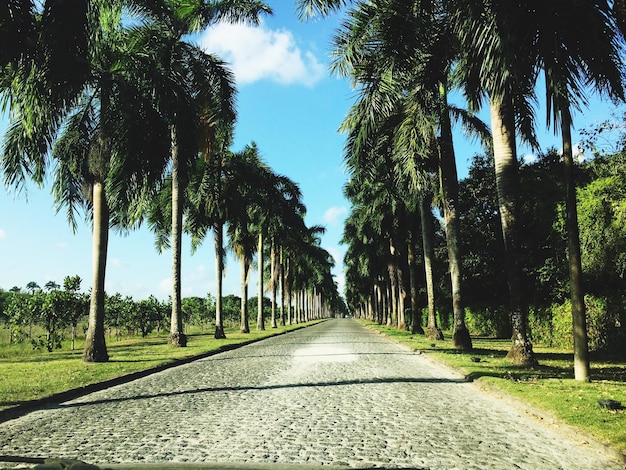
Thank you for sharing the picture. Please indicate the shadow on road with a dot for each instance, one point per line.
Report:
(341, 383)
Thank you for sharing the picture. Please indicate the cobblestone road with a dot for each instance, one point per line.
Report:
(334, 394)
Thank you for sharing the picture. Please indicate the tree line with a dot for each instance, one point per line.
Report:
(136, 124)
(45, 317)
(404, 58)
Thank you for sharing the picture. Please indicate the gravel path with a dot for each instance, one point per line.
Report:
(331, 394)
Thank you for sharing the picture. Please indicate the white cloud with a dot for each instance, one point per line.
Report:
(332, 215)
(3, 234)
(165, 286)
(257, 53)
(336, 254)
(341, 283)
(117, 263)
(529, 158)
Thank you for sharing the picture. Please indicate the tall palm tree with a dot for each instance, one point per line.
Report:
(496, 63)
(582, 46)
(106, 136)
(281, 220)
(210, 209)
(401, 54)
(254, 177)
(509, 43)
(197, 92)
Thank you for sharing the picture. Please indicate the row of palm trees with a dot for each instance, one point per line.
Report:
(137, 122)
(403, 57)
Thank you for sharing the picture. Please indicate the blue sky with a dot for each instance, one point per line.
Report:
(287, 104)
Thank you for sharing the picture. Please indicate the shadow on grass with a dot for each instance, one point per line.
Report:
(488, 362)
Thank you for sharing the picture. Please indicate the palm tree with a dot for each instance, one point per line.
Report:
(586, 51)
(197, 92)
(210, 210)
(282, 218)
(496, 62)
(253, 178)
(570, 57)
(103, 119)
(408, 84)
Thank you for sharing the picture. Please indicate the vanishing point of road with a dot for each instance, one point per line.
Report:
(334, 393)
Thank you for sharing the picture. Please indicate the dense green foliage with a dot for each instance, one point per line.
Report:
(602, 232)
(45, 319)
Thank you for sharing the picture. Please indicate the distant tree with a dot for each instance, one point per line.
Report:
(76, 303)
(32, 287)
(197, 309)
(19, 314)
(51, 285)
(52, 307)
(148, 315)
(118, 313)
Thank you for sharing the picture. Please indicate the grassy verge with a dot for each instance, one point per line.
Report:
(550, 387)
(30, 375)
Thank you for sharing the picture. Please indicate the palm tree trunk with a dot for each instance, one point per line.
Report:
(281, 273)
(176, 337)
(288, 274)
(219, 264)
(260, 321)
(392, 269)
(244, 324)
(274, 283)
(416, 314)
(450, 191)
(432, 329)
(95, 346)
(579, 321)
(503, 129)
(401, 296)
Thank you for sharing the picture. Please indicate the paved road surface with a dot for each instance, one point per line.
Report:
(335, 393)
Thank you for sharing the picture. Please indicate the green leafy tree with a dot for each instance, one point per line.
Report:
(119, 311)
(76, 303)
(99, 124)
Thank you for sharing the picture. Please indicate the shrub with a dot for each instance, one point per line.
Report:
(605, 324)
(492, 322)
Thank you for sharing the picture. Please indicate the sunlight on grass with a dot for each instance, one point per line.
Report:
(29, 374)
(550, 387)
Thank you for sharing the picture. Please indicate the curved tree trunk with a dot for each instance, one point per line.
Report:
(579, 320)
(432, 330)
(260, 318)
(450, 191)
(176, 337)
(504, 150)
(219, 264)
(95, 346)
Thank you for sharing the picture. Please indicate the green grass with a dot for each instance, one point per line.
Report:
(550, 387)
(29, 374)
